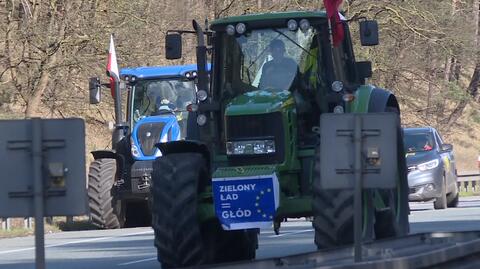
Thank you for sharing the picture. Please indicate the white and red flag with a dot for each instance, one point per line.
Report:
(332, 8)
(112, 66)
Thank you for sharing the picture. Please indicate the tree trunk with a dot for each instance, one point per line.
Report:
(35, 99)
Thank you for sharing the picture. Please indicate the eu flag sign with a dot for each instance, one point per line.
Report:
(246, 202)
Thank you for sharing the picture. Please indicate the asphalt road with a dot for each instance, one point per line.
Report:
(133, 248)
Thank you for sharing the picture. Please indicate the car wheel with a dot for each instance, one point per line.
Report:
(452, 198)
(441, 202)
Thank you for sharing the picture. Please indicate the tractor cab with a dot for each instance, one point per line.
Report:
(285, 64)
(157, 106)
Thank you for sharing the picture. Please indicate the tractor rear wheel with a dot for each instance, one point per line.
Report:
(333, 212)
(392, 220)
(106, 211)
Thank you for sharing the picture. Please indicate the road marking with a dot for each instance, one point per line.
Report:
(139, 261)
(76, 242)
(290, 233)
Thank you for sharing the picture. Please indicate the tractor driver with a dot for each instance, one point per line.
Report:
(281, 72)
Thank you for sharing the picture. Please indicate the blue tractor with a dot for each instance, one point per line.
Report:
(158, 110)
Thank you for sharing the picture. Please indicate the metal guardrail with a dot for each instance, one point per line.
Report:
(468, 182)
(429, 250)
(6, 223)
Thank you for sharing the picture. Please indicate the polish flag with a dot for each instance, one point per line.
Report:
(332, 8)
(112, 66)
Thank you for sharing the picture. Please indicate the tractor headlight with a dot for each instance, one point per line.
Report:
(202, 95)
(134, 148)
(428, 165)
(338, 110)
(201, 119)
(251, 147)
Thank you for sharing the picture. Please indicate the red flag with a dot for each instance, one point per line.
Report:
(112, 66)
(332, 6)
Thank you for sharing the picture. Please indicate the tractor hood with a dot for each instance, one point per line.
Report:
(150, 131)
(259, 102)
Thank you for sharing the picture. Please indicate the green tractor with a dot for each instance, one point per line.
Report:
(257, 162)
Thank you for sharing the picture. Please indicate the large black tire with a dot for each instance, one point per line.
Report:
(441, 202)
(333, 212)
(105, 210)
(181, 240)
(392, 221)
(453, 198)
(178, 235)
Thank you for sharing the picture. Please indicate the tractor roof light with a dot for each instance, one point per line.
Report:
(292, 25)
(304, 25)
(188, 75)
(230, 29)
(337, 86)
(194, 73)
(241, 28)
(133, 78)
(127, 78)
(202, 95)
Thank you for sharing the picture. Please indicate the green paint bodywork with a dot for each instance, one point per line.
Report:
(292, 202)
(362, 98)
(259, 102)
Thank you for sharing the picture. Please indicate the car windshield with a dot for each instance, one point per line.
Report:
(273, 59)
(418, 142)
(150, 96)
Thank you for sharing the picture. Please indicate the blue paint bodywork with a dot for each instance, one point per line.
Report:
(171, 125)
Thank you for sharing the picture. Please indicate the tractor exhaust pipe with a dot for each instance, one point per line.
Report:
(201, 51)
(119, 131)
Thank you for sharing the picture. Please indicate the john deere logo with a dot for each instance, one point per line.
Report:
(148, 134)
(240, 170)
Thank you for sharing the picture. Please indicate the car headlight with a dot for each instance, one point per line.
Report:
(250, 147)
(428, 165)
(134, 148)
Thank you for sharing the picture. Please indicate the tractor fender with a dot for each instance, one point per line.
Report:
(110, 154)
(380, 99)
(185, 146)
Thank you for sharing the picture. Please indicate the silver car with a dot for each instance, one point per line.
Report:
(432, 173)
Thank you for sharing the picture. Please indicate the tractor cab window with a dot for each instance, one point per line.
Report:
(154, 97)
(271, 60)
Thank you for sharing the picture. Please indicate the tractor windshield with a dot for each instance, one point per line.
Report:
(273, 59)
(166, 95)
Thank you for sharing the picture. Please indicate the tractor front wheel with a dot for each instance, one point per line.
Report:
(181, 240)
(106, 211)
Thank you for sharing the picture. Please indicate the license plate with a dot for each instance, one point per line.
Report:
(246, 202)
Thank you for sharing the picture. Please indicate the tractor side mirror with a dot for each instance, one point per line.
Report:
(369, 33)
(364, 69)
(446, 147)
(173, 46)
(94, 87)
